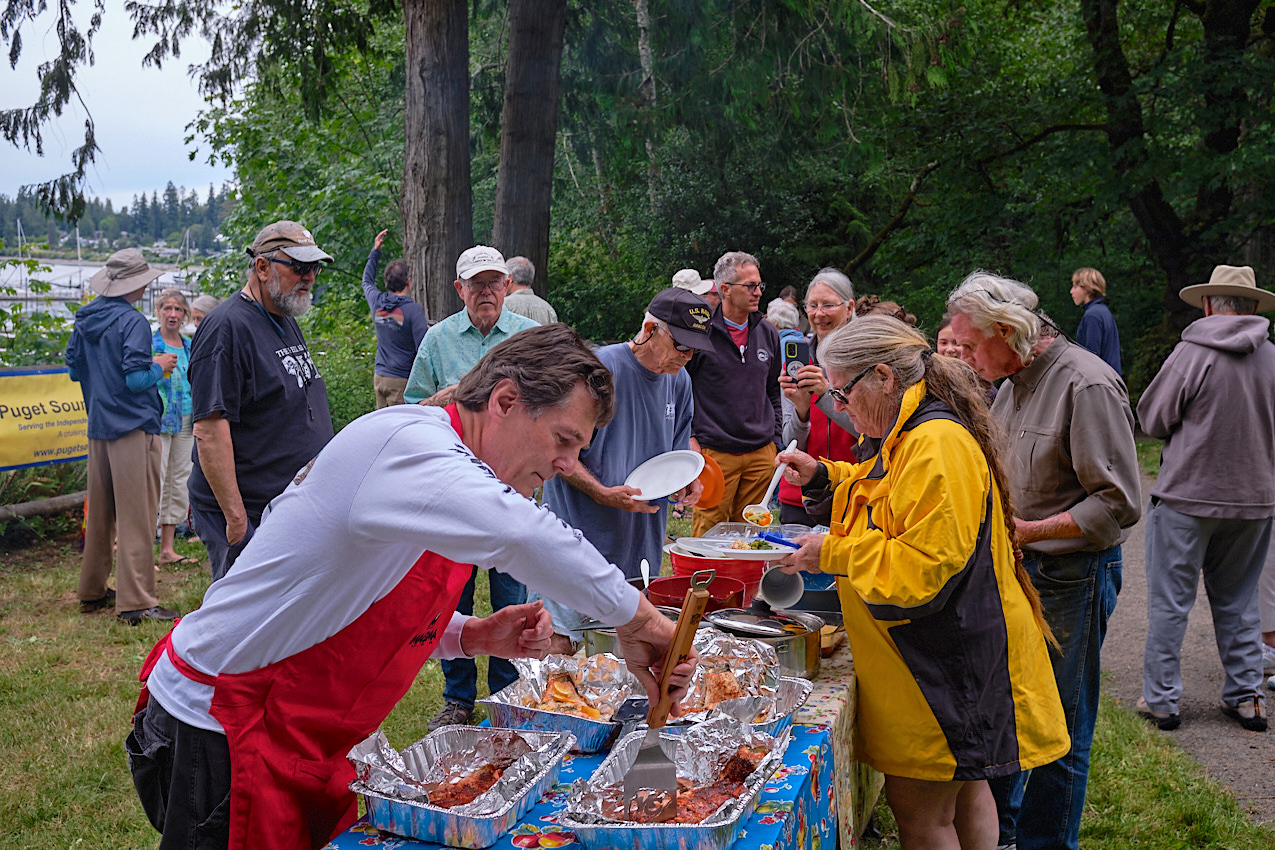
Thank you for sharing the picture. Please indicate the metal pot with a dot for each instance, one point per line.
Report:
(604, 639)
(799, 654)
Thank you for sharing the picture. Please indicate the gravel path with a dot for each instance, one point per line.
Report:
(1244, 761)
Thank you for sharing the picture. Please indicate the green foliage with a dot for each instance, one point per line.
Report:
(34, 483)
(30, 338)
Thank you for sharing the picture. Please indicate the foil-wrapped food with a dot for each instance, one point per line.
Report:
(731, 668)
(461, 785)
(721, 764)
(565, 693)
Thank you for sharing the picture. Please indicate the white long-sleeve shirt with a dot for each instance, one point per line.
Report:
(391, 485)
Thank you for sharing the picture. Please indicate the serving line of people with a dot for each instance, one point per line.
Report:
(351, 583)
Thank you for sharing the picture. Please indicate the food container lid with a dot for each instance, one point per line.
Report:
(743, 621)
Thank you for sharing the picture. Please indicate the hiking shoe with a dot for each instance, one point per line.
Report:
(133, 618)
(1166, 722)
(107, 601)
(1268, 659)
(453, 714)
(1250, 712)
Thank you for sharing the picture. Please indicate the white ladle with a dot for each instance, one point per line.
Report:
(646, 573)
(762, 512)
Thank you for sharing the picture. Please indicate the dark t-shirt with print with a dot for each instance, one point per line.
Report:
(268, 389)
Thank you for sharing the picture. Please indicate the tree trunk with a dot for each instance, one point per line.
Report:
(529, 126)
(437, 203)
(646, 56)
(1179, 247)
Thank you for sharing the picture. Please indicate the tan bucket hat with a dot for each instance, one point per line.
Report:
(1229, 280)
(126, 271)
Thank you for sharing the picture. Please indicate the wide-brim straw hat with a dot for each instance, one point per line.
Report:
(126, 271)
(1229, 280)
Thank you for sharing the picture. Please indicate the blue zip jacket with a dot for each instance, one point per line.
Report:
(111, 340)
(1098, 333)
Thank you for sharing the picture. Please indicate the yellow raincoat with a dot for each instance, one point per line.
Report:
(954, 677)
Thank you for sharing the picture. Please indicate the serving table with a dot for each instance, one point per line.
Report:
(819, 796)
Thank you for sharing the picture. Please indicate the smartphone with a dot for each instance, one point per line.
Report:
(796, 355)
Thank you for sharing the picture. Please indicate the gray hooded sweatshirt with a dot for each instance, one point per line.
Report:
(1213, 404)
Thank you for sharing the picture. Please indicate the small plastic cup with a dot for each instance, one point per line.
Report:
(779, 589)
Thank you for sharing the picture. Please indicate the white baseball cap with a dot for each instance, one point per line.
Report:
(689, 279)
(480, 258)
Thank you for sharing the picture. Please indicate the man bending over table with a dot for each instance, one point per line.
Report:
(351, 585)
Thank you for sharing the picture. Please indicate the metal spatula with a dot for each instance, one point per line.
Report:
(650, 786)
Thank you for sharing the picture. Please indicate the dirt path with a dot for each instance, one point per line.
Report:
(1243, 761)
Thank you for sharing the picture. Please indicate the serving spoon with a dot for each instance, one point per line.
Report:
(760, 514)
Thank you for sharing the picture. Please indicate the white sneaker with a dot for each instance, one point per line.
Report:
(1270, 683)
(1268, 659)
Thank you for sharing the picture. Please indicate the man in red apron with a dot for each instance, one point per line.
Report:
(351, 585)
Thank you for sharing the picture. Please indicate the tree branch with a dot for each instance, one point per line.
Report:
(1039, 137)
(879, 238)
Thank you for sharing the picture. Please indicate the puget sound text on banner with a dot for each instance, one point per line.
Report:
(42, 418)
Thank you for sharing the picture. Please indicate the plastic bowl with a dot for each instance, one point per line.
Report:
(748, 572)
(723, 591)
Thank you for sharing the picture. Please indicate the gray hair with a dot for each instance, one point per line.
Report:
(836, 281)
(726, 269)
(1237, 304)
(989, 299)
(204, 303)
(521, 270)
(782, 314)
(660, 324)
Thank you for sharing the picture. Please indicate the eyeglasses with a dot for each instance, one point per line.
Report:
(302, 269)
(677, 346)
(477, 286)
(842, 394)
(824, 308)
(751, 287)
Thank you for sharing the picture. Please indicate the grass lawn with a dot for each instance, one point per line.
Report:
(68, 683)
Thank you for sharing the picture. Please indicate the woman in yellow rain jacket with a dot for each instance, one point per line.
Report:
(955, 684)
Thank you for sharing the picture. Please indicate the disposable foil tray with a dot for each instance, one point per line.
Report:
(790, 695)
(422, 821)
(591, 736)
(718, 832)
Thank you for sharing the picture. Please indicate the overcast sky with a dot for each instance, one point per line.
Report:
(140, 114)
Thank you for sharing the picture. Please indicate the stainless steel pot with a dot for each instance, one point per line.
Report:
(603, 639)
(798, 653)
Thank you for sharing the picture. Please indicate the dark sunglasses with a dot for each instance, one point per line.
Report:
(302, 269)
(840, 395)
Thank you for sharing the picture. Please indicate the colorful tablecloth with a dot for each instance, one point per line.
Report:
(832, 705)
(796, 810)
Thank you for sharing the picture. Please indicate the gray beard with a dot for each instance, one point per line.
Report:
(291, 304)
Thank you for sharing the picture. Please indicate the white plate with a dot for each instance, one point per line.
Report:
(721, 548)
(665, 474)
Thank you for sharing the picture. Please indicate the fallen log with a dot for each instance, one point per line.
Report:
(43, 507)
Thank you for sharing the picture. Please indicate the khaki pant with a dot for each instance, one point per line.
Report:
(174, 468)
(388, 390)
(747, 477)
(123, 481)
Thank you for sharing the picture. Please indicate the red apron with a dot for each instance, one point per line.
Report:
(289, 725)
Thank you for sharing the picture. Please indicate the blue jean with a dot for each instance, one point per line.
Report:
(1078, 593)
(460, 675)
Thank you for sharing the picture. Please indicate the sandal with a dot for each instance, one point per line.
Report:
(183, 561)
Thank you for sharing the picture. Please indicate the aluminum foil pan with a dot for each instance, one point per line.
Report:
(603, 680)
(390, 782)
(790, 695)
(698, 754)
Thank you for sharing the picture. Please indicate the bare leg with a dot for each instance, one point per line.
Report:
(167, 554)
(925, 812)
(977, 825)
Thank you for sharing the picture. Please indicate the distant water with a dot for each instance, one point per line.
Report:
(69, 283)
